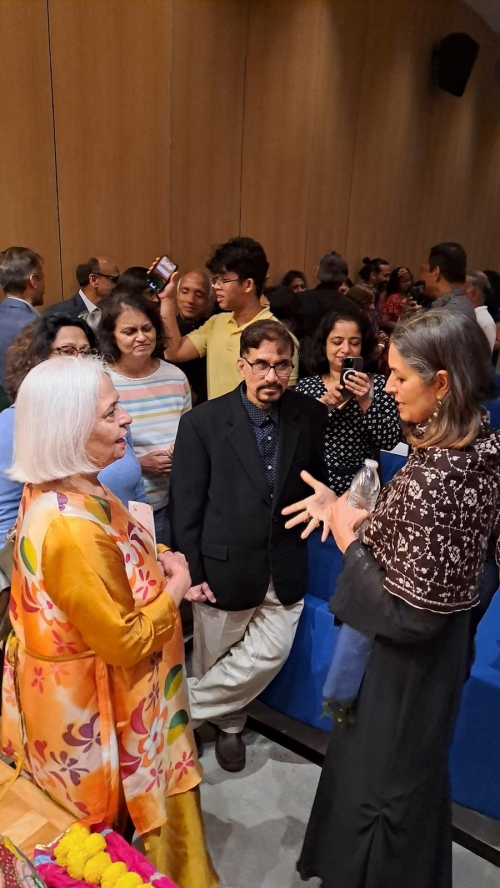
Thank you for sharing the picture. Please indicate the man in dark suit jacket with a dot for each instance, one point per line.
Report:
(23, 282)
(97, 279)
(323, 299)
(237, 463)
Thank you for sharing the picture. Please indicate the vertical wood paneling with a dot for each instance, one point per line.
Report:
(281, 78)
(336, 104)
(308, 124)
(111, 64)
(28, 216)
(208, 71)
(461, 197)
(394, 128)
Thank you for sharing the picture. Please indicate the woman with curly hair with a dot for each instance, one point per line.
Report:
(362, 416)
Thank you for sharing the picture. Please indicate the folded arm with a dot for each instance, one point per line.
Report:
(85, 577)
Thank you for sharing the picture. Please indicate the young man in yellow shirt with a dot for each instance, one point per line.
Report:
(239, 268)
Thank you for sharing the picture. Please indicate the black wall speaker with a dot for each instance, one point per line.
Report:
(453, 60)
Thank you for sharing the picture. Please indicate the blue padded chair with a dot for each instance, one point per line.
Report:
(494, 410)
(475, 753)
(297, 689)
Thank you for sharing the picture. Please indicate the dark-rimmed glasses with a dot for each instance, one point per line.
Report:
(283, 369)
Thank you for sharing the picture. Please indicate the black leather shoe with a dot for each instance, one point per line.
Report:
(199, 743)
(230, 751)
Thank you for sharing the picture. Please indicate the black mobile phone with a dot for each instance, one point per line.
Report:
(160, 275)
(350, 366)
(417, 293)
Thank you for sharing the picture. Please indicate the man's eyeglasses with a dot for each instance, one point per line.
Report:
(283, 369)
(111, 277)
(218, 281)
(75, 352)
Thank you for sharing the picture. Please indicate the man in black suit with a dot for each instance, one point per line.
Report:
(97, 279)
(237, 463)
(323, 299)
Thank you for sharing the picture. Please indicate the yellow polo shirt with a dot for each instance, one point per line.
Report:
(219, 340)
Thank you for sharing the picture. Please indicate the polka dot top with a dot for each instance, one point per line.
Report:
(352, 435)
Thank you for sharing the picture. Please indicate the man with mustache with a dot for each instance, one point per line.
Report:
(237, 463)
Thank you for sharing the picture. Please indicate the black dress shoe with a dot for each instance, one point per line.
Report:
(199, 743)
(230, 751)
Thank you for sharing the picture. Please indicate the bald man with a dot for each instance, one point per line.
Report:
(97, 279)
(195, 304)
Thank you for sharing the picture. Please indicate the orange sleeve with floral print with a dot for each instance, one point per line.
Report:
(85, 573)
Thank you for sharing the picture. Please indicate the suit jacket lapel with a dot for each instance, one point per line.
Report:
(288, 440)
(242, 438)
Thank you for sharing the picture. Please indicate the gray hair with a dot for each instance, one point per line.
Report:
(17, 264)
(480, 282)
(332, 269)
(55, 411)
(445, 340)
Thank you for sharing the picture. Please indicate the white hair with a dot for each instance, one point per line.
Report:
(55, 410)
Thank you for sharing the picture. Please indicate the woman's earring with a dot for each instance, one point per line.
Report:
(437, 408)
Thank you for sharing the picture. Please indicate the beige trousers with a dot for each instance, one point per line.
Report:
(235, 656)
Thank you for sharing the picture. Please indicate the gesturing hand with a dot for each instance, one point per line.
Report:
(323, 507)
(313, 510)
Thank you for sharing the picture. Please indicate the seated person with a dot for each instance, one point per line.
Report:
(369, 418)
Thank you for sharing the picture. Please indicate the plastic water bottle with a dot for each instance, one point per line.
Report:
(364, 489)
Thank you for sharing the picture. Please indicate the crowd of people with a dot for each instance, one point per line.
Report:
(217, 402)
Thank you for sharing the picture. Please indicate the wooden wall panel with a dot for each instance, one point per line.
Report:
(281, 78)
(335, 118)
(207, 82)
(27, 169)
(462, 186)
(111, 64)
(393, 132)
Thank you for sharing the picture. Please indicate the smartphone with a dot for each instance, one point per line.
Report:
(350, 366)
(160, 275)
(417, 293)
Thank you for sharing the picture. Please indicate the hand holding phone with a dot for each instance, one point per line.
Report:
(160, 273)
(350, 366)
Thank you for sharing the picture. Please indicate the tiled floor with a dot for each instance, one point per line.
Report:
(255, 821)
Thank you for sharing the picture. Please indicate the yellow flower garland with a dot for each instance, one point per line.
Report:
(82, 854)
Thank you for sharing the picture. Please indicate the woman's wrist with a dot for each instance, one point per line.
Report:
(344, 537)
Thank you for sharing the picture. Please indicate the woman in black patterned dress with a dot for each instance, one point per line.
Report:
(382, 814)
(369, 419)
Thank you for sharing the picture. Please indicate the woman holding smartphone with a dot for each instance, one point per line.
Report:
(362, 416)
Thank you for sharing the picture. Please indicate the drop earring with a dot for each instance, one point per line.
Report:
(437, 408)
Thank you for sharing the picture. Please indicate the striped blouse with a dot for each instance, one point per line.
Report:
(156, 404)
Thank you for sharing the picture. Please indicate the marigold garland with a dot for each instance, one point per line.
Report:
(82, 854)
(112, 874)
(96, 867)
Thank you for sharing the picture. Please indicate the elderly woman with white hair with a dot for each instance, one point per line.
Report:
(96, 640)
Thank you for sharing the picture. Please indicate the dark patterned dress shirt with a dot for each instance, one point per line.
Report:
(265, 426)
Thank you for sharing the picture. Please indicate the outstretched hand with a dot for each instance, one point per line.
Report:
(313, 510)
(323, 507)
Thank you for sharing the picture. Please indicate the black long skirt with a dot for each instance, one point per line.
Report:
(382, 813)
